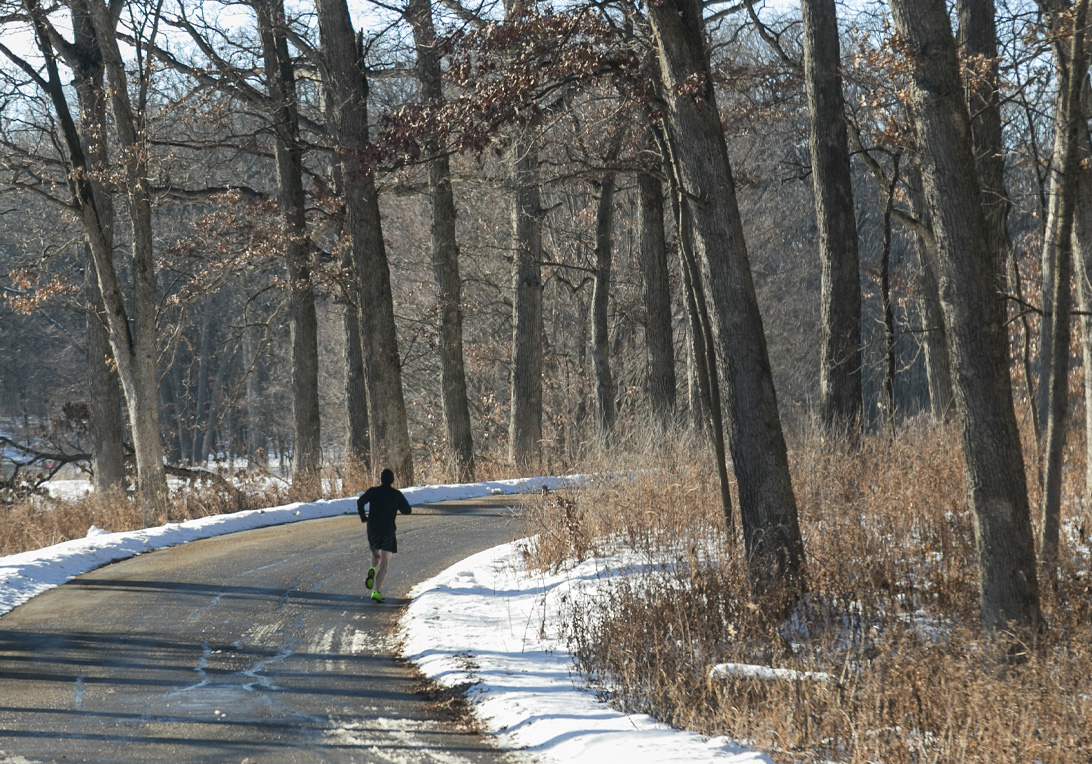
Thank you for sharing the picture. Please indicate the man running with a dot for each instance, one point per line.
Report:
(384, 502)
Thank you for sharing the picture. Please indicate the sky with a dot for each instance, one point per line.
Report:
(485, 620)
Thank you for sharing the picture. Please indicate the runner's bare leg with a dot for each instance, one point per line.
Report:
(380, 559)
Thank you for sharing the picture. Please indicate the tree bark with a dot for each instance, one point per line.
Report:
(288, 154)
(256, 445)
(103, 397)
(775, 551)
(172, 391)
(600, 320)
(888, 307)
(997, 492)
(343, 60)
(1069, 115)
(697, 355)
(445, 253)
(525, 428)
(705, 355)
(1083, 257)
(528, 329)
(356, 389)
(935, 336)
(659, 343)
(357, 438)
(104, 406)
(198, 454)
(840, 287)
(105, 423)
(1082, 225)
(978, 39)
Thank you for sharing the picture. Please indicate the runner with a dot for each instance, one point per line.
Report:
(384, 502)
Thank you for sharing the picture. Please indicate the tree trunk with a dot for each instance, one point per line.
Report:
(357, 439)
(1064, 191)
(349, 85)
(978, 40)
(997, 492)
(288, 153)
(775, 550)
(1082, 244)
(697, 356)
(208, 424)
(1082, 225)
(198, 454)
(103, 398)
(135, 347)
(885, 298)
(105, 420)
(173, 390)
(604, 381)
(356, 390)
(255, 425)
(657, 296)
(528, 330)
(1083, 258)
(840, 287)
(445, 253)
(705, 355)
(935, 336)
(1055, 11)
(525, 428)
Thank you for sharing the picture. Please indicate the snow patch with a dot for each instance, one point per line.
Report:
(487, 622)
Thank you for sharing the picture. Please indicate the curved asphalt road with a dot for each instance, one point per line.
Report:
(257, 647)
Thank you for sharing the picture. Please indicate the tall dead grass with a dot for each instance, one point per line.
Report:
(41, 521)
(891, 614)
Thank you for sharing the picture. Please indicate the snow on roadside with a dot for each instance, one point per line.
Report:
(482, 621)
(28, 574)
(487, 622)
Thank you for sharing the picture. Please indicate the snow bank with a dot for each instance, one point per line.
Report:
(489, 623)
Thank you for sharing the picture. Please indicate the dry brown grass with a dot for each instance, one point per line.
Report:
(39, 522)
(891, 614)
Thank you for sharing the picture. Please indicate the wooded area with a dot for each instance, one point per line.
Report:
(438, 237)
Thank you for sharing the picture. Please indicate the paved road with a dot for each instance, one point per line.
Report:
(254, 647)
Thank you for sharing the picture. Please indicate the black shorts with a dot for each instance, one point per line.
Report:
(387, 542)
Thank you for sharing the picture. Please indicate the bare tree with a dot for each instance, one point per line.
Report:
(600, 320)
(1058, 245)
(1008, 584)
(657, 298)
(288, 150)
(445, 250)
(840, 291)
(133, 342)
(348, 84)
(699, 160)
(525, 424)
(139, 343)
(978, 40)
(104, 389)
(935, 336)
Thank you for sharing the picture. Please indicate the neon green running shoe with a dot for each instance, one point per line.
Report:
(370, 580)
(377, 596)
